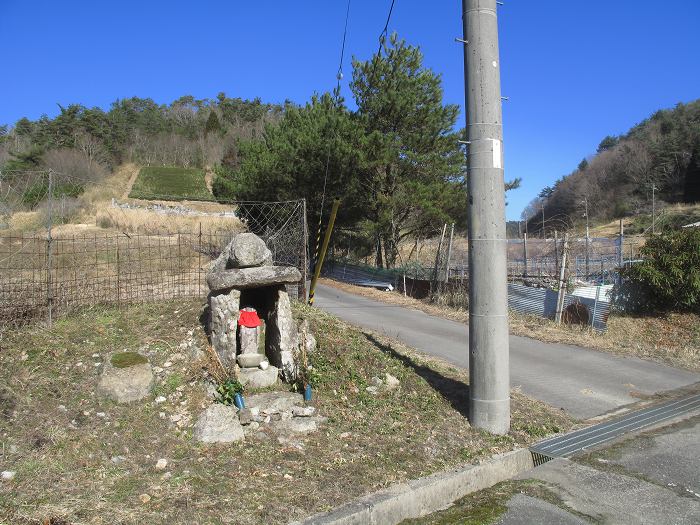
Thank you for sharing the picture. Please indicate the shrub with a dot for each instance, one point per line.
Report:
(226, 391)
(669, 276)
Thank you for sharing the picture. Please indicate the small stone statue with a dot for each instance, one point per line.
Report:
(243, 281)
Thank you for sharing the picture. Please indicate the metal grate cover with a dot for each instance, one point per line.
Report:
(570, 444)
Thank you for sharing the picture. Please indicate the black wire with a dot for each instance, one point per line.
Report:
(342, 49)
(382, 36)
(386, 26)
(340, 70)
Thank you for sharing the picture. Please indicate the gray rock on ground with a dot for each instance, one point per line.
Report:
(392, 382)
(301, 425)
(274, 401)
(218, 424)
(130, 380)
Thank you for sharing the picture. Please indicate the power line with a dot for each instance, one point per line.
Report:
(382, 39)
(339, 76)
(388, 18)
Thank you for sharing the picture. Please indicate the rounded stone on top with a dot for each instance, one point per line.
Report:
(248, 250)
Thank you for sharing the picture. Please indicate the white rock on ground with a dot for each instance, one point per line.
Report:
(303, 411)
(8, 475)
(218, 424)
(304, 425)
(161, 464)
(391, 381)
(127, 384)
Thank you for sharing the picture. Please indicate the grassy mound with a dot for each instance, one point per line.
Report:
(84, 459)
(165, 183)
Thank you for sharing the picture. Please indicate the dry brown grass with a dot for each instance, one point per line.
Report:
(60, 437)
(95, 196)
(96, 213)
(146, 221)
(672, 339)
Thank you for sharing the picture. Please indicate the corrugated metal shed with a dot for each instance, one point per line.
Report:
(590, 292)
(543, 302)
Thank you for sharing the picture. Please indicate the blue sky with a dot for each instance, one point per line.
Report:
(575, 70)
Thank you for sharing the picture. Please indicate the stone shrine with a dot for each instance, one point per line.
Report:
(246, 292)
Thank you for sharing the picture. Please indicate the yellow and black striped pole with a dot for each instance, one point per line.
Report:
(324, 248)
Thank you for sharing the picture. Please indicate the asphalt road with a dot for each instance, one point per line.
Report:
(583, 382)
(649, 478)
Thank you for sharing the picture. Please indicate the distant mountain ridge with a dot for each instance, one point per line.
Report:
(660, 155)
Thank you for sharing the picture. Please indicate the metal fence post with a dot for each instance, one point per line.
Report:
(436, 271)
(556, 251)
(179, 267)
(525, 254)
(199, 262)
(49, 251)
(595, 305)
(119, 280)
(562, 281)
(304, 250)
(449, 254)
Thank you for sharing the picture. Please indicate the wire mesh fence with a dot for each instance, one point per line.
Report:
(596, 260)
(46, 272)
(593, 259)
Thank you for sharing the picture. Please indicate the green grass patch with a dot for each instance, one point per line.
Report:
(127, 359)
(166, 183)
(488, 506)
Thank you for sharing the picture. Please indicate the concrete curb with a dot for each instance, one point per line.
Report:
(423, 496)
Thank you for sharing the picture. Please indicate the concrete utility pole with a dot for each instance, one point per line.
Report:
(489, 391)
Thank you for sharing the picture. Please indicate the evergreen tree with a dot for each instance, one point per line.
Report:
(213, 125)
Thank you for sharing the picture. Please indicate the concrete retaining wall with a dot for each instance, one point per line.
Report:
(423, 496)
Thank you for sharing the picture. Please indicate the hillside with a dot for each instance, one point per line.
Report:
(659, 156)
(88, 143)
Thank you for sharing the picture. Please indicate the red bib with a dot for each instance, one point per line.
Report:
(249, 319)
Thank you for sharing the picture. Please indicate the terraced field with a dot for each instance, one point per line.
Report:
(167, 183)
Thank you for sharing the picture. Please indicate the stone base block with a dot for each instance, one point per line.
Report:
(256, 378)
(250, 360)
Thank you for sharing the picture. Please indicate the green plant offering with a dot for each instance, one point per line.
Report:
(307, 376)
(127, 359)
(227, 391)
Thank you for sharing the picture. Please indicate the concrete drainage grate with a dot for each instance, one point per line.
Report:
(581, 440)
(540, 459)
